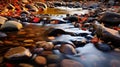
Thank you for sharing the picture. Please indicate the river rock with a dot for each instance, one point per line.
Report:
(8, 42)
(52, 65)
(2, 35)
(40, 43)
(2, 19)
(54, 58)
(111, 18)
(103, 47)
(17, 52)
(48, 46)
(29, 41)
(70, 63)
(67, 49)
(30, 35)
(25, 65)
(38, 50)
(40, 60)
(11, 26)
(26, 45)
(108, 35)
(1, 42)
(45, 53)
(1, 60)
(21, 33)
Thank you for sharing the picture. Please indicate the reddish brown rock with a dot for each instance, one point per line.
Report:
(17, 52)
(48, 46)
(30, 35)
(8, 43)
(29, 41)
(21, 33)
(40, 60)
(1, 59)
(45, 53)
(1, 42)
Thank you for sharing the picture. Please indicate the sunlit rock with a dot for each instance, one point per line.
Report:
(11, 26)
(17, 52)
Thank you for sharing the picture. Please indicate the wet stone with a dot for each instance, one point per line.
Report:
(13, 36)
(52, 65)
(41, 60)
(1, 42)
(16, 44)
(21, 33)
(71, 63)
(38, 50)
(54, 58)
(20, 39)
(1, 60)
(3, 34)
(67, 49)
(8, 43)
(17, 52)
(28, 45)
(29, 41)
(25, 65)
(41, 43)
(46, 53)
(48, 46)
(30, 35)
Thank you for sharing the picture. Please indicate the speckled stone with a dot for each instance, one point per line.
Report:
(41, 60)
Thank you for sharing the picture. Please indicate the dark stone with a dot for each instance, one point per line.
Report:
(53, 59)
(110, 18)
(103, 47)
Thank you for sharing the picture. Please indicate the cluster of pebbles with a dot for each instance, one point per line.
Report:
(30, 47)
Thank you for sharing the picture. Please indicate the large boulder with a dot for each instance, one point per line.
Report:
(111, 18)
(11, 26)
(108, 35)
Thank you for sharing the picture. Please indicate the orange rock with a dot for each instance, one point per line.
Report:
(40, 60)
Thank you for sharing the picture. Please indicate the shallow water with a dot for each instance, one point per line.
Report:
(63, 10)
